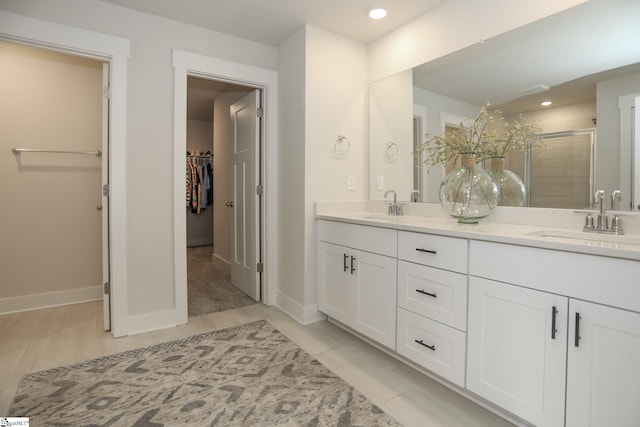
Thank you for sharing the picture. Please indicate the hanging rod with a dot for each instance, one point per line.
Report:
(32, 150)
(199, 156)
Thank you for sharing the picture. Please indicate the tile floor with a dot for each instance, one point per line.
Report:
(43, 339)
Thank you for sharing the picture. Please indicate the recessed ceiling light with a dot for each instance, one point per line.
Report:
(546, 103)
(377, 13)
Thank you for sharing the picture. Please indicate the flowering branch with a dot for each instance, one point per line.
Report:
(487, 136)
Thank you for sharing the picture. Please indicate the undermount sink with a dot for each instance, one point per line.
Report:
(375, 217)
(588, 237)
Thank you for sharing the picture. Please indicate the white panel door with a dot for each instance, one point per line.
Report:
(246, 139)
(515, 358)
(106, 291)
(603, 377)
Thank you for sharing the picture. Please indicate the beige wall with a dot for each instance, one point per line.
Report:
(50, 229)
(336, 103)
(150, 87)
(291, 173)
(302, 62)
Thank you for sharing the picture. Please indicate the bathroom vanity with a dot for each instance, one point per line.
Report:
(540, 322)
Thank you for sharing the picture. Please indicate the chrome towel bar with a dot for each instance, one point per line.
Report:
(31, 150)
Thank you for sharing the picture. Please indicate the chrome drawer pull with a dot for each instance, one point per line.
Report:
(433, 295)
(425, 250)
(430, 347)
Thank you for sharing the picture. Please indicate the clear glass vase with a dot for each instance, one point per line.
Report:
(468, 193)
(511, 188)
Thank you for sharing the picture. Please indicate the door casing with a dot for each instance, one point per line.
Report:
(114, 50)
(190, 64)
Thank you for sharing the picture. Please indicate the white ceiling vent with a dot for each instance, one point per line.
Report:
(534, 89)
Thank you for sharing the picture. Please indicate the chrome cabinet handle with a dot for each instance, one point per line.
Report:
(344, 262)
(433, 295)
(352, 267)
(554, 312)
(430, 347)
(426, 250)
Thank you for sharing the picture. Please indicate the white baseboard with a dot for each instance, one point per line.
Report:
(220, 262)
(147, 322)
(303, 314)
(192, 243)
(49, 299)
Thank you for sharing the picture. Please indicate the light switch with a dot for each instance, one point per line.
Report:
(380, 182)
(351, 182)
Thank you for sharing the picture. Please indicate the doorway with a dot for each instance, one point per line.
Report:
(55, 217)
(191, 64)
(219, 196)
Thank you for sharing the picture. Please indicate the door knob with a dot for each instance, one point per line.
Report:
(229, 204)
(99, 207)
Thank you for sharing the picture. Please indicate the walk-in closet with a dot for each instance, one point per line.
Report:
(209, 189)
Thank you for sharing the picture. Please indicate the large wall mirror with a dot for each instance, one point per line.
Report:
(586, 60)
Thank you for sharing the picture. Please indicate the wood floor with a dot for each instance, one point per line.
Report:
(43, 339)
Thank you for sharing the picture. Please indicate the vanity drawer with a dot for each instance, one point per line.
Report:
(446, 357)
(600, 279)
(437, 294)
(449, 253)
(378, 240)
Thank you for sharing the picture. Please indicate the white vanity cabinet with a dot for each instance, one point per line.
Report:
(516, 355)
(522, 352)
(356, 277)
(432, 303)
(603, 378)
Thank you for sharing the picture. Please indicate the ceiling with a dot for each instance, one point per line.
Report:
(273, 21)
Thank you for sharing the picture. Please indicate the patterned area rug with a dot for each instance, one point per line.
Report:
(250, 375)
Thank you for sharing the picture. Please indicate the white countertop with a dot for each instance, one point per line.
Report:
(564, 239)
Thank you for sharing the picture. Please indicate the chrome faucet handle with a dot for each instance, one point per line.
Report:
(588, 221)
(616, 198)
(616, 225)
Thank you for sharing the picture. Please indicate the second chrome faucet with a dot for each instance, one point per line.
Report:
(395, 208)
(601, 224)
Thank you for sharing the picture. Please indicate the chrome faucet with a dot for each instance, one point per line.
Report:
(394, 208)
(602, 223)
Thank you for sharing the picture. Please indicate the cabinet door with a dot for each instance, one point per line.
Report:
(603, 377)
(513, 360)
(334, 292)
(374, 299)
